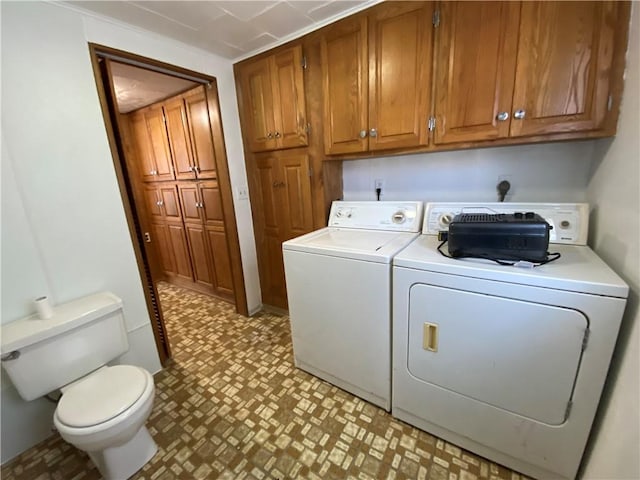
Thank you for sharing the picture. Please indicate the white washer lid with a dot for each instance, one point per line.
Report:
(101, 396)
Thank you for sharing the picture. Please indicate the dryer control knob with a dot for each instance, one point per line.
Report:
(399, 217)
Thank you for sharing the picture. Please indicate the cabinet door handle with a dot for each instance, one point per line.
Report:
(519, 114)
(269, 135)
(363, 134)
(373, 132)
(277, 135)
(196, 169)
(190, 168)
(502, 116)
(278, 184)
(160, 203)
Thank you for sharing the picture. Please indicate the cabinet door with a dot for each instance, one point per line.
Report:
(399, 75)
(257, 98)
(154, 118)
(161, 240)
(345, 87)
(268, 236)
(475, 55)
(154, 206)
(190, 202)
(221, 260)
(564, 58)
(204, 158)
(178, 132)
(293, 196)
(214, 225)
(143, 152)
(178, 241)
(169, 202)
(288, 98)
(197, 239)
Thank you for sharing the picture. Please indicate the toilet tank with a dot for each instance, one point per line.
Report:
(41, 356)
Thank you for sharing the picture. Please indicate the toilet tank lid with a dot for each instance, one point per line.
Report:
(67, 316)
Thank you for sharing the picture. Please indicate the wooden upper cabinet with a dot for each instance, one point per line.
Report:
(399, 75)
(345, 86)
(475, 59)
(565, 55)
(180, 144)
(517, 69)
(200, 133)
(274, 102)
(151, 144)
(157, 136)
(376, 79)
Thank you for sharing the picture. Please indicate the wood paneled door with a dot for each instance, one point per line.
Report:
(282, 187)
(376, 76)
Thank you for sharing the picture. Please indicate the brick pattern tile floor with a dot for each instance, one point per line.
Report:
(231, 405)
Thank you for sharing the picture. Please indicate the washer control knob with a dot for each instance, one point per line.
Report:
(399, 217)
(517, 215)
(565, 224)
(446, 219)
(529, 215)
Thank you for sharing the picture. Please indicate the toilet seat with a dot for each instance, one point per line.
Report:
(101, 396)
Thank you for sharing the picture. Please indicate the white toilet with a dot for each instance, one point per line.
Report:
(103, 409)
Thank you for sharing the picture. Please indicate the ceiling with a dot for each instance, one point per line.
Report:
(137, 87)
(231, 29)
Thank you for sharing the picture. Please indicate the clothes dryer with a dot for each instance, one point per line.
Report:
(505, 361)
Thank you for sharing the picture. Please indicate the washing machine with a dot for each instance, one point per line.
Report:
(505, 361)
(339, 293)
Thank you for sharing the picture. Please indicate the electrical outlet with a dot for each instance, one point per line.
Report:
(242, 193)
(378, 183)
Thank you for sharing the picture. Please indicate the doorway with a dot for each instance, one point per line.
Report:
(187, 233)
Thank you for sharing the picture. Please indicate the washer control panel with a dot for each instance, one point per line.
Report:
(569, 221)
(394, 216)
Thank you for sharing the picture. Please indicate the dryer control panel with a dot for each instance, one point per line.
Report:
(569, 221)
(398, 216)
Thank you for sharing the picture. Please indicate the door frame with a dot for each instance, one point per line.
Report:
(134, 221)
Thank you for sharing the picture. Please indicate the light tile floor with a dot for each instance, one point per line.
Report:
(231, 405)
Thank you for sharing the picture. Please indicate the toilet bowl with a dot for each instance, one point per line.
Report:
(103, 408)
(104, 414)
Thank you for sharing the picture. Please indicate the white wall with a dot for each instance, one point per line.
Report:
(64, 232)
(554, 172)
(614, 194)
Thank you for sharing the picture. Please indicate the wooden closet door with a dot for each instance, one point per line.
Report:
(201, 134)
(294, 196)
(178, 132)
(198, 250)
(177, 237)
(161, 239)
(216, 236)
(345, 88)
(267, 183)
(288, 98)
(190, 201)
(564, 60)
(475, 55)
(257, 100)
(399, 74)
(152, 198)
(154, 118)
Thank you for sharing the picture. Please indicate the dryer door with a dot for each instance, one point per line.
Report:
(516, 355)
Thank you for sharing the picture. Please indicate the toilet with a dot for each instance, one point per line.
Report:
(103, 409)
